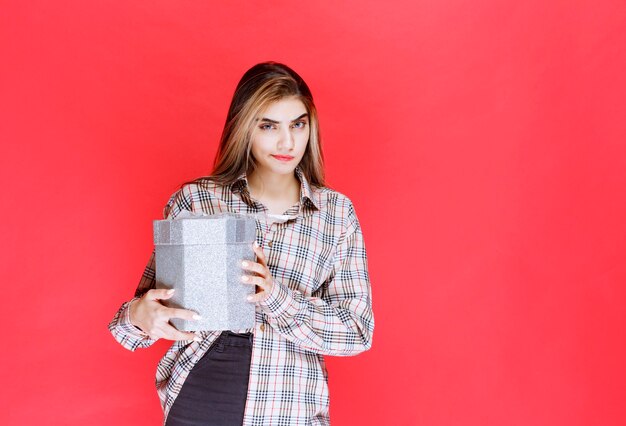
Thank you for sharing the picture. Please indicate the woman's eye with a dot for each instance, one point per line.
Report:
(299, 124)
(266, 127)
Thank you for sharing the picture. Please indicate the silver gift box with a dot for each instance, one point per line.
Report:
(200, 257)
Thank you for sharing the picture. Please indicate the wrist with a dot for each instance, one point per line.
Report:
(132, 313)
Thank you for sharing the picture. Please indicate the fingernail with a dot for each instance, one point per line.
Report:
(244, 264)
(170, 291)
(245, 278)
(256, 244)
(197, 339)
(249, 298)
(196, 317)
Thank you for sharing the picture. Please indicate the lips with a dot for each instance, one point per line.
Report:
(283, 157)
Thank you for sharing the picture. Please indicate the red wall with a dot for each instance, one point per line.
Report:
(483, 144)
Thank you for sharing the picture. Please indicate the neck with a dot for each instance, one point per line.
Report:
(274, 187)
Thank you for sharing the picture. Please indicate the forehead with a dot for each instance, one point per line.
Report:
(286, 109)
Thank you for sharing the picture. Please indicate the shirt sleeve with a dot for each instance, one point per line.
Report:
(121, 328)
(338, 318)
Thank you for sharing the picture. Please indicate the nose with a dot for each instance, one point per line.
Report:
(286, 140)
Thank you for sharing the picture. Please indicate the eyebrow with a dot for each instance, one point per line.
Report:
(278, 122)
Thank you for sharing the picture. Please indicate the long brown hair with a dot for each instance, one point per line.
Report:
(260, 86)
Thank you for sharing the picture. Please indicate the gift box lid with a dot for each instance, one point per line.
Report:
(221, 228)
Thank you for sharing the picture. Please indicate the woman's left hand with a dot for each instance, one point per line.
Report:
(260, 275)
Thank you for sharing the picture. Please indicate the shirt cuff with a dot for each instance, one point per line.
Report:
(280, 302)
(127, 326)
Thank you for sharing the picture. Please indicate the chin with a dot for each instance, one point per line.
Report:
(281, 168)
(284, 169)
(287, 170)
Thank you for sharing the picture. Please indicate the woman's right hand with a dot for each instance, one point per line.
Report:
(152, 317)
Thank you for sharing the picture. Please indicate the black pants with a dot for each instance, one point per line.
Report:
(215, 390)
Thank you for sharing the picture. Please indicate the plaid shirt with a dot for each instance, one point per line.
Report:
(320, 303)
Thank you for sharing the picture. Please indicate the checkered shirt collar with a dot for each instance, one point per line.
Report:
(306, 192)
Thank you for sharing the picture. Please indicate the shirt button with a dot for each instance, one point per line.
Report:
(269, 244)
(262, 327)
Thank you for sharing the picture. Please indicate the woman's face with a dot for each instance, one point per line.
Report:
(280, 136)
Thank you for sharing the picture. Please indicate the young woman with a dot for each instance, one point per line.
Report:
(313, 294)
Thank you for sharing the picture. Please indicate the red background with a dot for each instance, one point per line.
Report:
(482, 143)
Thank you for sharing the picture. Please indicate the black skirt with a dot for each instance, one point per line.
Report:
(215, 390)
